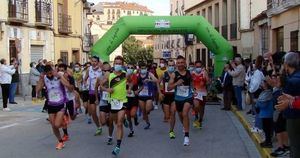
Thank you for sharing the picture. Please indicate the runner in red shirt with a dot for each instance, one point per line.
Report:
(200, 79)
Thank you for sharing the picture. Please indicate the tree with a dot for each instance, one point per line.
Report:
(134, 52)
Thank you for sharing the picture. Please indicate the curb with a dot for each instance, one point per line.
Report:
(264, 152)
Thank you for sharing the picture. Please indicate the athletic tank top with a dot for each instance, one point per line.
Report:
(199, 81)
(166, 79)
(93, 75)
(148, 87)
(85, 87)
(134, 82)
(184, 91)
(55, 91)
(104, 96)
(118, 83)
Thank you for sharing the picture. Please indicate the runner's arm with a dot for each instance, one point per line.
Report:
(103, 81)
(66, 83)
(171, 84)
(96, 87)
(39, 85)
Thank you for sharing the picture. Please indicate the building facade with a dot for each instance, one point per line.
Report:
(105, 14)
(284, 25)
(26, 34)
(232, 18)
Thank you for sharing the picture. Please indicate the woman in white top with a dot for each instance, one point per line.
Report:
(6, 72)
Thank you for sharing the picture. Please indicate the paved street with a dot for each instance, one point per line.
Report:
(28, 134)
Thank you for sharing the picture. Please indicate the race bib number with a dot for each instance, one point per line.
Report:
(105, 96)
(55, 95)
(183, 91)
(131, 94)
(144, 91)
(166, 88)
(116, 104)
(199, 95)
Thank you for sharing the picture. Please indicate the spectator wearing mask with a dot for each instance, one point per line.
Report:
(14, 82)
(6, 72)
(292, 88)
(238, 78)
(34, 76)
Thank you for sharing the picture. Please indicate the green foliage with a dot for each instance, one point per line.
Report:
(134, 52)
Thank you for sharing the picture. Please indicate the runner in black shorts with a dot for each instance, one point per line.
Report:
(181, 82)
(84, 92)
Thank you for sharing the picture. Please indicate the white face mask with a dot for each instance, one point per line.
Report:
(76, 69)
(60, 73)
(162, 65)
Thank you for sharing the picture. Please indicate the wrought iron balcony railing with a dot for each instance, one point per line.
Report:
(64, 24)
(18, 11)
(43, 13)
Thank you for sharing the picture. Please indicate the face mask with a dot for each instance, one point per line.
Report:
(198, 70)
(171, 69)
(77, 69)
(118, 67)
(60, 73)
(191, 68)
(162, 65)
(129, 71)
(143, 71)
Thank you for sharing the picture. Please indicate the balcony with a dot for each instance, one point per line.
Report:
(64, 24)
(87, 42)
(278, 6)
(43, 13)
(18, 11)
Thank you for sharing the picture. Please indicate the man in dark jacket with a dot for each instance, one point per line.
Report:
(227, 86)
(14, 82)
(292, 87)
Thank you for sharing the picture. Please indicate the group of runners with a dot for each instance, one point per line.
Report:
(119, 91)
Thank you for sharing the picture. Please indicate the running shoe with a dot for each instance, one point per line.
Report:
(98, 131)
(65, 138)
(279, 152)
(60, 145)
(131, 134)
(116, 151)
(172, 135)
(186, 141)
(266, 144)
(147, 126)
(109, 141)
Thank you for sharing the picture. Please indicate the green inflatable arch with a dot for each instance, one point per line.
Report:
(160, 25)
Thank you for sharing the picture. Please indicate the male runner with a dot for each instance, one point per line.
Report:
(85, 92)
(181, 82)
(55, 84)
(92, 74)
(200, 78)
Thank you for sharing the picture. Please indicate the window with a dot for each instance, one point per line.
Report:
(210, 14)
(224, 20)
(198, 54)
(203, 58)
(279, 39)
(294, 40)
(233, 25)
(217, 17)
(64, 57)
(198, 12)
(203, 13)
(264, 38)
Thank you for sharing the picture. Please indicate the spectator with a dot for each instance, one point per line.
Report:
(59, 61)
(14, 82)
(238, 78)
(265, 110)
(227, 86)
(292, 88)
(34, 76)
(40, 67)
(6, 73)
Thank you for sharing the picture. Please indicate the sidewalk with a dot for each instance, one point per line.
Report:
(23, 111)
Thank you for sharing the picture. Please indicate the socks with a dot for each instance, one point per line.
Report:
(187, 134)
(65, 131)
(119, 143)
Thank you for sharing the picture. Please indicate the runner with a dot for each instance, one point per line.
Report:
(168, 101)
(200, 78)
(132, 85)
(70, 100)
(56, 95)
(118, 98)
(104, 107)
(92, 74)
(181, 82)
(77, 75)
(85, 92)
(146, 83)
(160, 71)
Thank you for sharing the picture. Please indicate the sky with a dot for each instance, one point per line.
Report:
(160, 7)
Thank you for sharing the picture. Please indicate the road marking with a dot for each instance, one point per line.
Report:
(31, 120)
(7, 126)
